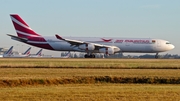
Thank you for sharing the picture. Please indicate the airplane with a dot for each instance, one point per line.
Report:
(9, 52)
(27, 52)
(38, 54)
(67, 55)
(89, 45)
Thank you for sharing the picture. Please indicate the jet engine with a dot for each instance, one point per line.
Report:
(89, 46)
(109, 50)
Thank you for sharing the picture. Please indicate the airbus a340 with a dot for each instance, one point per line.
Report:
(90, 45)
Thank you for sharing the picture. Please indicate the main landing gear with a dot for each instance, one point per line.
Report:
(89, 56)
(156, 56)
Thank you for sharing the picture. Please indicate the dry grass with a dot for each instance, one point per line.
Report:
(43, 73)
(54, 76)
(89, 79)
(91, 63)
(92, 92)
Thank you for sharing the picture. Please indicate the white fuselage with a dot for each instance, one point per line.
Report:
(137, 45)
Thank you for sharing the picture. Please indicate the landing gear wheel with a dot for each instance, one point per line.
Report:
(156, 56)
(92, 56)
(89, 56)
(86, 56)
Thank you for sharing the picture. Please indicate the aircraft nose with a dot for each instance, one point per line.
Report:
(172, 46)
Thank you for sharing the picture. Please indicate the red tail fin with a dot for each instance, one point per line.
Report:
(22, 29)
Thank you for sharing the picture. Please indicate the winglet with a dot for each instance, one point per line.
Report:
(59, 37)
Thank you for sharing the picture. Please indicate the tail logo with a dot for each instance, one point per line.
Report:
(106, 40)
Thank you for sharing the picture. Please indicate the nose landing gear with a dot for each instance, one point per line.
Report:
(156, 56)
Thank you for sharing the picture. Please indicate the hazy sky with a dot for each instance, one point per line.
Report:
(116, 18)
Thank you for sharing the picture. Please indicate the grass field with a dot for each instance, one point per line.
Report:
(92, 92)
(91, 63)
(53, 76)
(41, 73)
(91, 80)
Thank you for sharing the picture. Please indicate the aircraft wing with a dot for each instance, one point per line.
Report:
(18, 38)
(72, 42)
(77, 42)
(95, 45)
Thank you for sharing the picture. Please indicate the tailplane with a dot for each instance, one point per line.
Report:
(9, 52)
(39, 53)
(27, 52)
(21, 27)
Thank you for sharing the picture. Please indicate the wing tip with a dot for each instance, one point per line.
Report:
(59, 37)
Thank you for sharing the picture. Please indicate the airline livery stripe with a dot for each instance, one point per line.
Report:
(22, 29)
(27, 34)
(28, 51)
(39, 53)
(37, 42)
(9, 51)
(16, 16)
(19, 23)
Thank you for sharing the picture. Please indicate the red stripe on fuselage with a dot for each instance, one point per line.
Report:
(37, 39)
(45, 46)
(17, 17)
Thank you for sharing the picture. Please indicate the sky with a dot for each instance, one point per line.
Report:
(93, 18)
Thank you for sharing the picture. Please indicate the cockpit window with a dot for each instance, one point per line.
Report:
(168, 43)
(153, 41)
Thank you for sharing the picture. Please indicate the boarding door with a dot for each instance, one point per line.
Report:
(158, 43)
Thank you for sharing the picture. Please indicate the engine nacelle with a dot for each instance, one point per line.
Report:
(89, 46)
(107, 50)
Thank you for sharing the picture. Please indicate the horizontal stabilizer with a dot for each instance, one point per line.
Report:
(18, 38)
